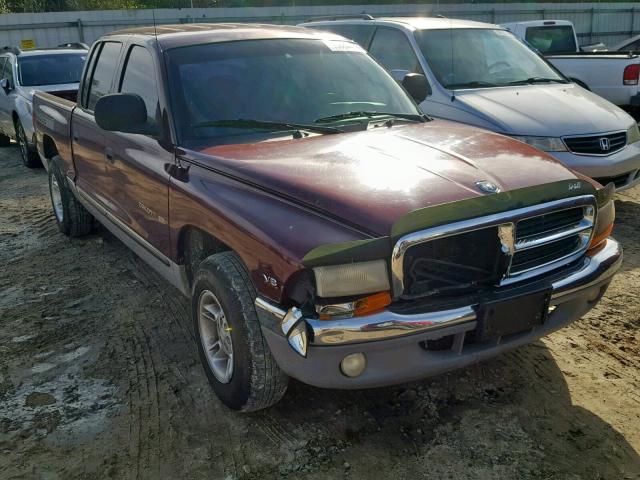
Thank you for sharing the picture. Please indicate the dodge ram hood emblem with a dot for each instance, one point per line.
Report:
(487, 187)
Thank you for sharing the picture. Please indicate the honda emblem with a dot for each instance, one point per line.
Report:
(604, 144)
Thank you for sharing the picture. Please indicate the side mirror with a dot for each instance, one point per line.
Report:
(398, 74)
(6, 86)
(417, 86)
(123, 112)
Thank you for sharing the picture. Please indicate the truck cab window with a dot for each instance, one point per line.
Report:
(393, 50)
(552, 40)
(103, 73)
(139, 78)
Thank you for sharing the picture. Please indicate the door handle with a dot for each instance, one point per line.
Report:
(108, 152)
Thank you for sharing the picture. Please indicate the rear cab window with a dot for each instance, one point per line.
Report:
(103, 73)
(552, 39)
(139, 78)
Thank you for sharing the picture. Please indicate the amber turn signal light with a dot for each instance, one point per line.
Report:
(599, 239)
(372, 303)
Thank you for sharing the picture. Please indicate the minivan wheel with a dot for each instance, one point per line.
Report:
(233, 351)
(72, 218)
(30, 157)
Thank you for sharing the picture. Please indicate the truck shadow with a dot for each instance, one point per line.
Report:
(626, 231)
(511, 417)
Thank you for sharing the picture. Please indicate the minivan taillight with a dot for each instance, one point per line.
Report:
(631, 74)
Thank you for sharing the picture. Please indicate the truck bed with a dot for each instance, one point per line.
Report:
(52, 124)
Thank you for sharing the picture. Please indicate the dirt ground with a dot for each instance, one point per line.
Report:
(99, 378)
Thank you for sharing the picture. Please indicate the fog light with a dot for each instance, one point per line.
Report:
(353, 365)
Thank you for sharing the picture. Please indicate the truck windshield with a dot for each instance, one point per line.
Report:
(38, 70)
(550, 40)
(482, 58)
(223, 91)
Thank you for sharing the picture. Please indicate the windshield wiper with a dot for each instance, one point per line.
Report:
(533, 80)
(266, 125)
(369, 114)
(474, 84)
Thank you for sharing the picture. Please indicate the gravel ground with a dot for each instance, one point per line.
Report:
(99, 378)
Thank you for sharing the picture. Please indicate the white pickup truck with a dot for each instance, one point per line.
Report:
(613, 76)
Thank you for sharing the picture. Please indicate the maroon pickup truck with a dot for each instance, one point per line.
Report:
(323, 227)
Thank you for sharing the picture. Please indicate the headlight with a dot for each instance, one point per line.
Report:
(546, 144)
(633, 134)
(351, 279)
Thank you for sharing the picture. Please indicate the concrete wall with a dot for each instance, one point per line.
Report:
(606, 22)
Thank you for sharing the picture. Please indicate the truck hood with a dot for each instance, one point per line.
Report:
(544, 110)
(370, 179)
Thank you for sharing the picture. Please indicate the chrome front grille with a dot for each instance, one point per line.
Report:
(604, 144)
(544, 239)
(494, 250)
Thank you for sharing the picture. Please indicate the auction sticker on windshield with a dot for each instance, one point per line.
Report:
(343, 46)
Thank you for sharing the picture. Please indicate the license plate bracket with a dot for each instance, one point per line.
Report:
(498, 318)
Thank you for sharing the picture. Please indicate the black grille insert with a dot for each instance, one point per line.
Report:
(549, 222)
(549, 252)
(454, 265)
(597, 144)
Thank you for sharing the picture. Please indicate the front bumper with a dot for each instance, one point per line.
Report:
(395, 344)
(622, 167)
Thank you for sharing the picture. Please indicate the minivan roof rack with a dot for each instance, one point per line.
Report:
(360, 16)
(14, 50)
(74, 45)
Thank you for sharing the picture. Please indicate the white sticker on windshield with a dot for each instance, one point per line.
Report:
(343, 46)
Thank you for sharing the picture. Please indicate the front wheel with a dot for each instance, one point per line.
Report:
(235, 355)
(30, 157)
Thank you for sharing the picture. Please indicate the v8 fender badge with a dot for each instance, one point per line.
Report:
(269, 280)
(487, 186)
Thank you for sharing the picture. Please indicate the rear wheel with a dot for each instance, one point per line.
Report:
(72, 218)
(30, 157)
(235, 355)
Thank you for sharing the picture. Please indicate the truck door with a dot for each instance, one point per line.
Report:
(138, 164)
(87, 139)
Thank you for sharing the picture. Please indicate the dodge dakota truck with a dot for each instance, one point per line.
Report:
(323, 228)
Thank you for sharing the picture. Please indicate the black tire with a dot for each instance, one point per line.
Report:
(72, 218)
(256, 382)
(30, 157)
(5, 140)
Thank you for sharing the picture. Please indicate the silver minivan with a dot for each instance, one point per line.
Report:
(483, 75)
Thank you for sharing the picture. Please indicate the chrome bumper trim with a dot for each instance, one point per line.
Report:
(596, 270)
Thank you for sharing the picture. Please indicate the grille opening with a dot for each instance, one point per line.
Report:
(619, 180)
(455, 264)
(592, 144)
(549, 222)
(534, 257)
